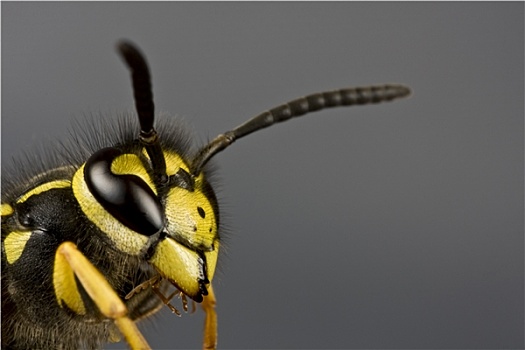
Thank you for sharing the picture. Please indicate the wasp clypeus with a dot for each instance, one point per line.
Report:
(97, 236)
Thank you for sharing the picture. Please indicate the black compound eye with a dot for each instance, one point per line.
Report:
(127, 197)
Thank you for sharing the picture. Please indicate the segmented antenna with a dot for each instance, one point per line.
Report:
(143, 95)
(296, 108)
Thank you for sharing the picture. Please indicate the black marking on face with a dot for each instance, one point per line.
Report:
(201, 211)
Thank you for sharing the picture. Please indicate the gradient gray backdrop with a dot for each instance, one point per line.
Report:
(391, 226)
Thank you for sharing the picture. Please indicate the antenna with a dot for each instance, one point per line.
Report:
(296, 108)
(145, 107)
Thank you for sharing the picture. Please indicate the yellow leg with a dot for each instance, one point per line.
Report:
(100, 291)
(210, 321)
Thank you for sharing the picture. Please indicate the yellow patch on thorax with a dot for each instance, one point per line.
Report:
(43, 188)
(14, 245)
(6, 209)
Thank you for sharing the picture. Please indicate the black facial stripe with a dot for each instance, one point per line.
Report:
(182, 179)
(127, 197)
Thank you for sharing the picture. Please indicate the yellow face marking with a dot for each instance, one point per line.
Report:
(131, 164)
(178, 264)
(43, 188)
(66, 289)
(191, 217)
(174, 162)
(14, 245)
(124, 238)
(6, 209)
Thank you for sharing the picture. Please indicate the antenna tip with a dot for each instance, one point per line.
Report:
(124, 45)
(130, 53)
(401, 90)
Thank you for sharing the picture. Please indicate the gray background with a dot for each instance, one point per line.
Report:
(390, 226)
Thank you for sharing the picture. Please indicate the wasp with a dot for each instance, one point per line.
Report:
(96, 235)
